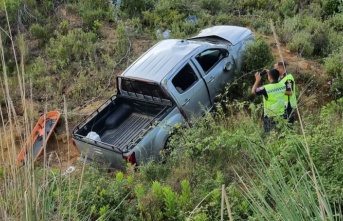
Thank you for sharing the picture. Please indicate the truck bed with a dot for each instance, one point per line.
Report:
(120, 122)
(127, 131)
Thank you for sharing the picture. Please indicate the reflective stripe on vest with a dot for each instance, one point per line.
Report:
(290, 98)
(274, 105)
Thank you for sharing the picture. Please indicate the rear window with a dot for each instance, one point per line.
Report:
(130, 86)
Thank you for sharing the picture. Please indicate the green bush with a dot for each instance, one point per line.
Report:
(262, 25)
(336, 22)
(76, 46)
(213, 7)
(135, 8)
(319, 32)
(301, 44)
(328, 154)
(330, 7)
(91, 11)
(289, 27)
(335, 40)
(39, 32)
(333, 67)
(257, 56)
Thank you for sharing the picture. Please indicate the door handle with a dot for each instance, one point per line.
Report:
(186, 102)
(211, 79)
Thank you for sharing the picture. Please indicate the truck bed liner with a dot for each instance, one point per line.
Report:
(123, 135)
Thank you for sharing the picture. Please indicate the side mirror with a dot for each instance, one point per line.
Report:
(228, 66)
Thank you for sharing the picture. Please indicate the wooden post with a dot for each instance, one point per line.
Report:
(222, 205)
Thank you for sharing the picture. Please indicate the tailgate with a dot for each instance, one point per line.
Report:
(99, 152)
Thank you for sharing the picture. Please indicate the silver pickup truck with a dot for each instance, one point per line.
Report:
(173, 82)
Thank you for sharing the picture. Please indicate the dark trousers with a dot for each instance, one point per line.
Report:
(289, 114)
(268, 124)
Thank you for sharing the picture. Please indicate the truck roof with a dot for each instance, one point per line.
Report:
(157, 62)
(167, 55)
(233, 34)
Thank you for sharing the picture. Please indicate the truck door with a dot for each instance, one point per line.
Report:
(190, 91)
(211, 63)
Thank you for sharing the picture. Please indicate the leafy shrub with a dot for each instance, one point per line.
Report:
(262, 25)
(319, 32)
(134, 8)
(91, 11)
(225, 18)
(162, 19)
(76, 46)
(160, 202)
(327, 155)
(301, 44)
(257, 56)
(39, 32)
(38, 72)
(336, 22)
(289, 27)
(330, 7)
(214, 6)
(123, 43)
(333, 67)
(335, 41)
(100, 196)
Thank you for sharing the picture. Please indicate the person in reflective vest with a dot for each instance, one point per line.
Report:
(273, 94)
(290, 95)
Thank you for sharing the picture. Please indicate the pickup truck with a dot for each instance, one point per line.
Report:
(175, 81)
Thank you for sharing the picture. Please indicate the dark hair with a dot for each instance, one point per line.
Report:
(282, 64)
(274, 74)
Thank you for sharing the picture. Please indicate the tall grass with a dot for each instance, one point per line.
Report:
(283, 191)
(26, 192)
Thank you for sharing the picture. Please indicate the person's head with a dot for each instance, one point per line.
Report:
(273, 75)
(281, 67)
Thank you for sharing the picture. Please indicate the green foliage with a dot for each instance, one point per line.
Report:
(333, 67)
(38, 73)
(319, 32)
(336, 22)
(277, 196)
(328, 154)
(76, 46)
(289, 27)
(39, 32)
(214, 6)
(262, 25)
(161, 202)
(100, 196)
(170, 201)
(123, 43)
(301, 44)
(92, 11)
(257, 56)
(134, 8)
(185, 197)
(330, 7)
(64, 26)
(287, 8)
(96, 26)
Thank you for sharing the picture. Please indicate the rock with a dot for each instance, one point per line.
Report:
(303, 65)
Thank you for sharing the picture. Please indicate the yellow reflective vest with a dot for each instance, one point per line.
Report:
(290, 98)
(274, 105)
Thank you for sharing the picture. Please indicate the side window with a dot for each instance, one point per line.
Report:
(184, 79)
(207, 59)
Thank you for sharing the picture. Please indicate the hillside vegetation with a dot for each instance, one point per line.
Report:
(65, 55)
